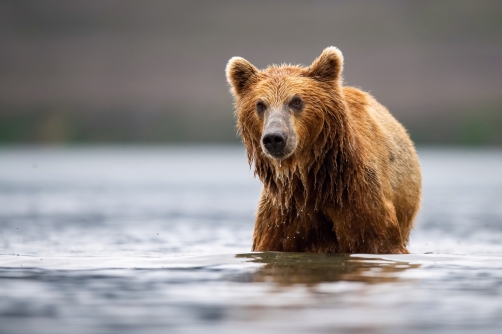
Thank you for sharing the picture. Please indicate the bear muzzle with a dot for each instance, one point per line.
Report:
(275, 142)
(278, 139)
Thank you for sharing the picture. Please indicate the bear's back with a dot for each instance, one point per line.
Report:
(391, 153)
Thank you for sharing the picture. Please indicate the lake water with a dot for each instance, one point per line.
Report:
(157, 240)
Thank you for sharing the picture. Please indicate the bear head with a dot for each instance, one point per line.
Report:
(282, 110)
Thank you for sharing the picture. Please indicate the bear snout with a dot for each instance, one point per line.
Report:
(274, 142)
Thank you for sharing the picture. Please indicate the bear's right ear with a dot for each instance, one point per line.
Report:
(328, 67)
(239, 74)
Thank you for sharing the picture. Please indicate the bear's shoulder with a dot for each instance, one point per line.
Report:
(355, 95)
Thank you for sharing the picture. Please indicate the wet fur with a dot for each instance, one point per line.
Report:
(353, 183)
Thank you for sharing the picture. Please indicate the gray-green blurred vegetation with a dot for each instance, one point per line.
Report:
(153, 71)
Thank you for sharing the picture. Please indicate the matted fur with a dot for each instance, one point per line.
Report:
(353, 183)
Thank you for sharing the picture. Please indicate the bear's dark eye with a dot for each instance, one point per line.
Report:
(296, 103)
(260, 107)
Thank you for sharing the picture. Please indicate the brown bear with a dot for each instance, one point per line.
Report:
(339, 173)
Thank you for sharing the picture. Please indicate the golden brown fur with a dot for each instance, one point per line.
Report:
(352, 183)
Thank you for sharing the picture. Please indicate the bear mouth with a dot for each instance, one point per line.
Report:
(279, 156)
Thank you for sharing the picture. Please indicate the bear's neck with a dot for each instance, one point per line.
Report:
(324, 174)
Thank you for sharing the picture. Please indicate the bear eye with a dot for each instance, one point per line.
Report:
(260, 107)
(296, 103)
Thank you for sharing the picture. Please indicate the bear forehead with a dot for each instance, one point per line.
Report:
(278, 74)
(281, 82)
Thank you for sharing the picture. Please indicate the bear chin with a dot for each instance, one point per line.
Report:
(279, 158)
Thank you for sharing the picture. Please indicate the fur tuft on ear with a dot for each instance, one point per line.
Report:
(328, 67)
(239, 73)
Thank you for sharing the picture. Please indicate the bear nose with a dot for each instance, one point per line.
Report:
(274, 142)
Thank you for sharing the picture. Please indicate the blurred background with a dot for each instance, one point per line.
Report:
(153, 71)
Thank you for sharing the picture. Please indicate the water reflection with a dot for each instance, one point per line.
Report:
(310, 269)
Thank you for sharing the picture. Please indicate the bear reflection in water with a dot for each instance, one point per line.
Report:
(310, 269)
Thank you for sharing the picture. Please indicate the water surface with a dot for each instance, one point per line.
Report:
(156, 240)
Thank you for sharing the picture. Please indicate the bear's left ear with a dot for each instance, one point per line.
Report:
(328, 67)
(239, 74)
